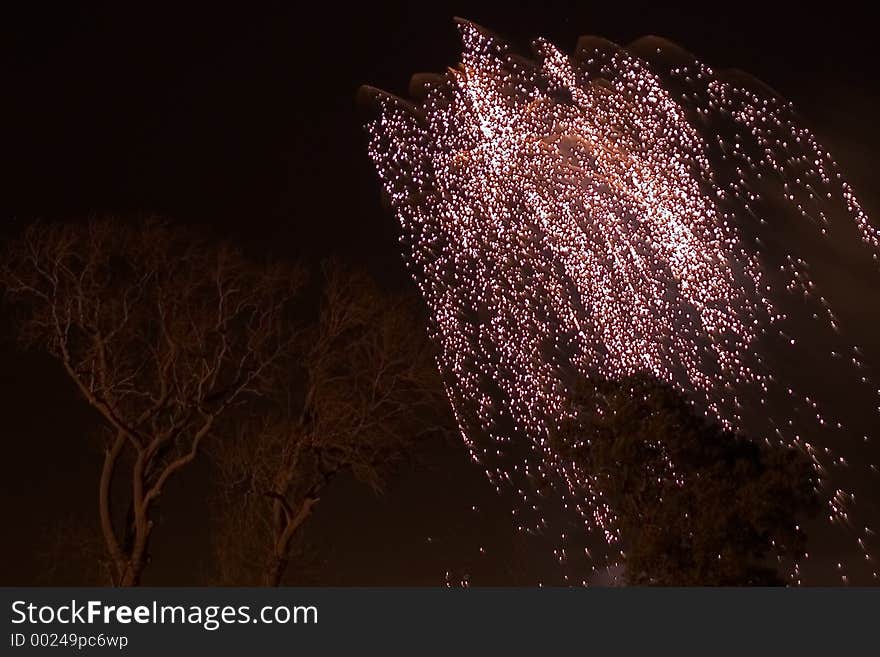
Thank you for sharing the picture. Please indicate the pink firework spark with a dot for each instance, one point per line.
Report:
(603, 214)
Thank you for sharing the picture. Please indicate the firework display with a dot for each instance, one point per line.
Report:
(612, 212)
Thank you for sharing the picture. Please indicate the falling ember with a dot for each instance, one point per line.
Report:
(604, 214)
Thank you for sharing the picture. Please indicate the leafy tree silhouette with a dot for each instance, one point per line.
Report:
(696, 504)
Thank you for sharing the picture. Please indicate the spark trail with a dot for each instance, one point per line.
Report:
(607, 213)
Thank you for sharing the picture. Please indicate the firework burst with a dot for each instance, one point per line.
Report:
(606, 214)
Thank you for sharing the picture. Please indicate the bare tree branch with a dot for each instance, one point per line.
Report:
(365, 390)
(163, 333)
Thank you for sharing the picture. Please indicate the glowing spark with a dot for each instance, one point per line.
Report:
(589, 215)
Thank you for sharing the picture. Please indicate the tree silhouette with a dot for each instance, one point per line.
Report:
(695, 504)
(364, 390)
(162, 333)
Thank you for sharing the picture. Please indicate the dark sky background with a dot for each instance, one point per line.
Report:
(244, 119)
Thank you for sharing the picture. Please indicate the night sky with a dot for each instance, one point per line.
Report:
(245, 121)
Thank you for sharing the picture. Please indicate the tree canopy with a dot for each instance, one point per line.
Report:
(695, 504)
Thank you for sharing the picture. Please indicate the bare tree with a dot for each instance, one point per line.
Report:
(366, 389)
(162, 333)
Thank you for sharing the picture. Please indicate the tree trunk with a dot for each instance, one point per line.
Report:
(132, 575)
(278, 564)
(105, 511)
(275, 572)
